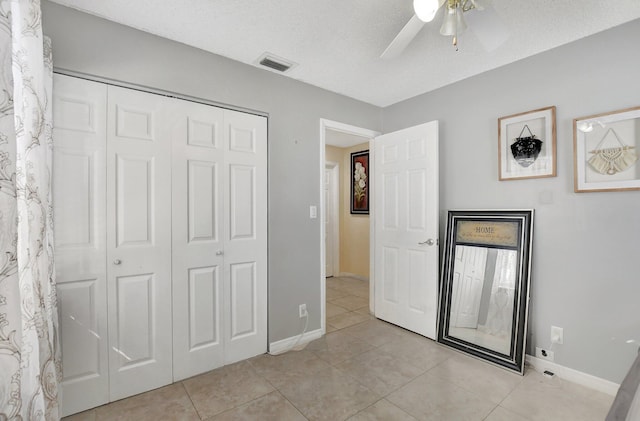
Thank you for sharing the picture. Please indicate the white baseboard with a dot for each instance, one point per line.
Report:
(353, 275)
(575, 376)
(284, 345)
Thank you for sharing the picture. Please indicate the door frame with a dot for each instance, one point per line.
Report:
(325, 125)
(334, 167)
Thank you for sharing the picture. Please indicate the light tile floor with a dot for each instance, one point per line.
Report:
(364, 369)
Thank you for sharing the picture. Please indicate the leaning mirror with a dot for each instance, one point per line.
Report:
(485, 285)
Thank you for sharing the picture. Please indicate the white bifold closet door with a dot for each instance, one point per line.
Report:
(161, 239)
(138, 241)
(219, 237)
(79, 206)
(112, 210)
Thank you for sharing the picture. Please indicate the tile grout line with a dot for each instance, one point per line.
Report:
(277, 389)
(190, 399)
(469, 390)
(291, 403)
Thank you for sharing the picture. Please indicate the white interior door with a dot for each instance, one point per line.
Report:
(138, 242)
(405, 196)
(468, 280)
(198, 232)
(79, 185)
(329, 220)
(245, 235)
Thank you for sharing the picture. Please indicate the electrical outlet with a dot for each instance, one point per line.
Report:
(544, 354)
(557, 335)
(303, 310)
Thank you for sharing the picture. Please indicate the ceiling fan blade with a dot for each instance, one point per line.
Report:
(404, 37)
(488, 27)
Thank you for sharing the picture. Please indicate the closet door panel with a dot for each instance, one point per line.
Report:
(138, 241)
(204, 302)
(245, 233)
(202, 188)
(243, 285)
(198, 249)
(75, 216)
(135, 318)
(134, 201)
(79, 182)
(242, 188)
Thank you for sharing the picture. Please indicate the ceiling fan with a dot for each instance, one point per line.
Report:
(487, 26)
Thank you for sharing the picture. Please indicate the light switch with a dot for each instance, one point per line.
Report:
(313, 212)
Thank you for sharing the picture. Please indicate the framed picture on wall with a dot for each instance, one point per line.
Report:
(360, 183)
(527, 145)
(605, 151)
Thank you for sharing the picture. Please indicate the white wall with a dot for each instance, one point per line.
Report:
(586, 276)
(94, 46)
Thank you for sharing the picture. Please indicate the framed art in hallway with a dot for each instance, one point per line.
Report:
(527, 145)
(360, 183)
(605, 151)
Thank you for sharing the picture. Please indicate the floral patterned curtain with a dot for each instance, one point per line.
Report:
(30, 369)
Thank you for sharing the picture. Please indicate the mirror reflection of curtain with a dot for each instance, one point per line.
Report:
(499, 317)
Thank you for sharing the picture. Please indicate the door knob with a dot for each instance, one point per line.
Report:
(429, 242)
(219, 253)
(117, 262)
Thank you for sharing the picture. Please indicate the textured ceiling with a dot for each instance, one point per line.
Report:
(337, 43)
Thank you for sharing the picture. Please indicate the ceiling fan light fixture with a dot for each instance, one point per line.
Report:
(450, 22)
(453, 22)
(426, 10)
(477, 4)
(461, 25)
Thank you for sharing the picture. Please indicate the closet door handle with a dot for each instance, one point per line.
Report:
(429, 242)
(219, 253)
(117, 262)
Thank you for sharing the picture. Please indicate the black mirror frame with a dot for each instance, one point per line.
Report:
(515, 359)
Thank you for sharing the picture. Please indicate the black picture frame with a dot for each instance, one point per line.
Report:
(360, 183)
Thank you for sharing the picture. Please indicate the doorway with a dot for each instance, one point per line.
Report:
(345, 247)
(403, 266)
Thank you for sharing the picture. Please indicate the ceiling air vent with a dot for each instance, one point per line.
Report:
(275, 63)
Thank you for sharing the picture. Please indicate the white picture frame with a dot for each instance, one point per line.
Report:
(539, 124)
(605, 151)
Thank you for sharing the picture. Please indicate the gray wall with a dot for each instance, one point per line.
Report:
(585, 274)
(94, 46)
(586, 246)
